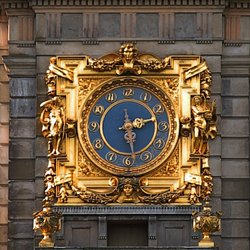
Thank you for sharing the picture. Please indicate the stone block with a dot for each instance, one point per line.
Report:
(21, 244)
(235, 228)
(217, 28)
(215, 146)
(38, 127)
(42, 88)
(3, 233)
(21, 169)
(22, 230)
(22, 128)
(235, 209)
(217, 186)
(21, 189)
(22, 149)
(4, 154)
(72, 25)
(217, 98)
(20, 87)
(147, 25)
(235, 168)
(21, 210)
(185, 25)
(4, 111)
(41, 99)
(215, 165)
(41, 166)
(4, 92)
(3, 174)
(235, 86)
(41, 146)
(216, 204)
(109, 25)
(41, 26)
(216, 83)
(39, 187)
(23, 107)
(235, 127)
(214, 63)
(235, 148)
(43, 61)
(235, 244)
(237, 189)
(232, 51)
(4, 214)
(4, 134)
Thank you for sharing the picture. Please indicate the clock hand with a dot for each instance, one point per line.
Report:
(140, 122)
(129, 135)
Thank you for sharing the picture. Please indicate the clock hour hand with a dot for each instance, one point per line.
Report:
(140, 122)
(129, 135)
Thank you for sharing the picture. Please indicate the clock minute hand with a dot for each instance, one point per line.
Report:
(140, 122)
(129, 135)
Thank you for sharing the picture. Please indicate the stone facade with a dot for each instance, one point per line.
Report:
(216, 29)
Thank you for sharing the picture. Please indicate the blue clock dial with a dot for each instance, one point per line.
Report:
(128, 126)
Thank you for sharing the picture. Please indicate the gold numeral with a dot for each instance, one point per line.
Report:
(98, 110)
(93, 126)
(158, 109)
(128, 161)
(128, 92)
(146, 156)
(159, 143)
(145, 97)
(111, 156)
(111, 97)
(98, 144)
(163, 126)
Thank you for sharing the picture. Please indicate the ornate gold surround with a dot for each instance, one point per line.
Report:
(75, 175)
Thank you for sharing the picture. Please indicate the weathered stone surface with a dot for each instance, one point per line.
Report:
(235, 148)
(235, 86)
(41, 25)
(215, 165)
(242, 50)
(235, 106)
(21, 229)
(215, 147)
(41, 146)
(216, 83)
(3, 177)
(109, 25)
(4, 134)
(21, 209)
(4, 233)
(21, 169)
(235, 127)
(4, 154)
(22, 87)
(235, 168)
(21, 244)
(4, 92)
(41, 166)
(235, 209)
(72, 26)
(235, 188)
(41, 86)
(147, 25)
(217, 186)
(22, 149)
(4, 111)
(185, 25)
(4, 214)
(22, 189)
(22, 128)
(23, 107)
(233, 244)
(235, 228)
(39, 187)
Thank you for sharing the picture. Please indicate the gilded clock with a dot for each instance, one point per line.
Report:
(128, 126)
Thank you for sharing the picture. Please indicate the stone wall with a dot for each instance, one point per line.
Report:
(218, 30)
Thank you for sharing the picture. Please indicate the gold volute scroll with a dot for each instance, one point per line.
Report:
(179, 174)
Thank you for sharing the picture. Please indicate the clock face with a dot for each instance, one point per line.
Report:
(128, 126)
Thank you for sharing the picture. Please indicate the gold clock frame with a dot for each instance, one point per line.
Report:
(184, 177)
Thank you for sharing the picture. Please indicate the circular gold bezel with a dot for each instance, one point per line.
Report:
(101, 90)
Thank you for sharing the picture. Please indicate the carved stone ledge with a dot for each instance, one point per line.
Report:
(53, 42)
(26, 45)
(129, 209)
(204, 41)
(232, 44)
(166, 42)
(90, 42)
